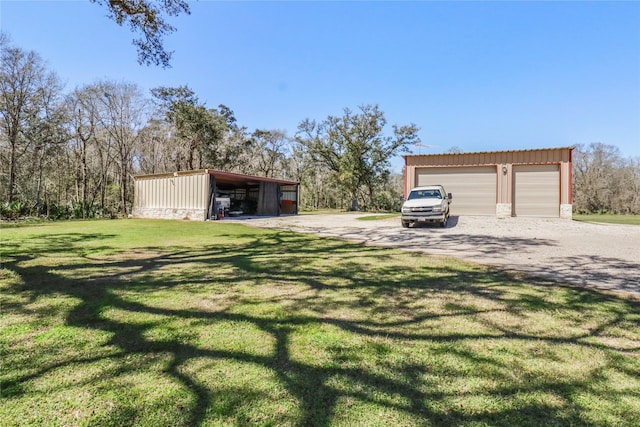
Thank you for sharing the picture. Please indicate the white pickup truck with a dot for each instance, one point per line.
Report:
(426, 204)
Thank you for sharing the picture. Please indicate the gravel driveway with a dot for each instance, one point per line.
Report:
(604, 256)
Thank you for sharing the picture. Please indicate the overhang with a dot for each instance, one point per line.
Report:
(490, 152)
(221, 177)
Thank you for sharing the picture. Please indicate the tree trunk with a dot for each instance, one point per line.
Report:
(84, 180)
(12, 173)
(123, 186)
(354, 202)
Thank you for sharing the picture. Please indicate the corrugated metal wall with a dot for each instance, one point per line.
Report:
(175, 192)
(536, 190)
(473, 188)
(525, 157)
(289, 192)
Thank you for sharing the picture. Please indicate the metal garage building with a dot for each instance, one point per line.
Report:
(503, 183)
(204, 194)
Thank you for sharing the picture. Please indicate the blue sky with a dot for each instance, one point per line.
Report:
(480, 76)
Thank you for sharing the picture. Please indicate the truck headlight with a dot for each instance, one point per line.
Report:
(437, 209)
(406, 210)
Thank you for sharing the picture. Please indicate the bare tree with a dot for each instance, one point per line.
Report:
(27, 94)
(122, 116)
(48, 135)
(604, 181)
(82, 107)
(102, 162)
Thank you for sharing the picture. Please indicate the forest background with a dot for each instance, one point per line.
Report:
(73, 154)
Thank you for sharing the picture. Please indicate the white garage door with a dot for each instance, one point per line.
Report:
(536, 190)
(473, 188)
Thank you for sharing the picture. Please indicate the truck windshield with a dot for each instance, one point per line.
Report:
(424, 194)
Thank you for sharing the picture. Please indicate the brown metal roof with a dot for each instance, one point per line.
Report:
(237, 178)
(493, 152)
(221, 177)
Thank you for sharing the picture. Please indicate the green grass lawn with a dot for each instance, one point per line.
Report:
(375, 217)
(325, 212)
(609, 218)
(165, 323)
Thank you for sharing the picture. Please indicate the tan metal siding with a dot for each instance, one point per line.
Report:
(176, 192)
(565, 183)
(473, 188)
(504, 183)
(536, 190)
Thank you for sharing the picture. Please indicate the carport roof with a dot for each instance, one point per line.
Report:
(221, 177)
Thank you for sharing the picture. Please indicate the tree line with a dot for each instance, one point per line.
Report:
(604, 181)
(74, 154)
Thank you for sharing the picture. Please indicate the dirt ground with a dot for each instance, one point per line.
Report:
(603, 256)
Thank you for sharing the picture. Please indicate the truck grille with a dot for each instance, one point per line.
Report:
(421, 209)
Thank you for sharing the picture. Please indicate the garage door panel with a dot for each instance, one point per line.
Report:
(536, 190)
(473, 188)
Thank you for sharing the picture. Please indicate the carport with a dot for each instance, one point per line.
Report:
(205, 194)
(504, 183)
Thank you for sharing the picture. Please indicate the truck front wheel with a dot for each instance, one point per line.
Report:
(405, 224)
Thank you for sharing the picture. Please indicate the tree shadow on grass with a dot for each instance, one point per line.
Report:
(596, 272)
(364, 308)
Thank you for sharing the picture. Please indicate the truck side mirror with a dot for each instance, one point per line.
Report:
(449, 196)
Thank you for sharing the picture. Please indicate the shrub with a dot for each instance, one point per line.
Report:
(13, 210)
